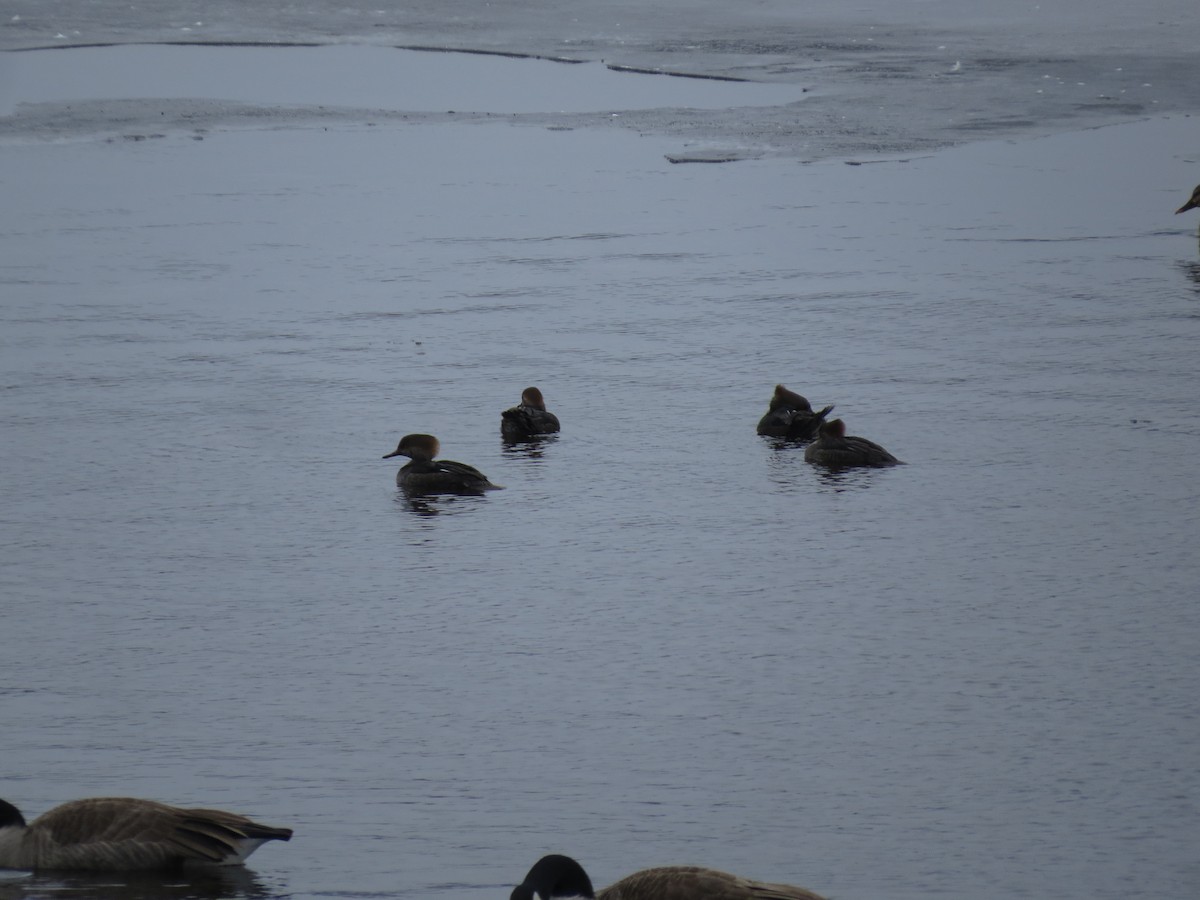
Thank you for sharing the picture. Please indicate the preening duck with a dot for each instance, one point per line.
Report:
(833, 447)
(529, 418)
(790, 415)
(560, 876)
(425, 476)
(1193, 201)
(121, 834)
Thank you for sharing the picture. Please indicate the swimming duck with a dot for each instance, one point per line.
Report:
(122, 834)
(529, 418)
(560, 876)
(833, 447)
(791, 416)
(1193, 201)
(425, 476)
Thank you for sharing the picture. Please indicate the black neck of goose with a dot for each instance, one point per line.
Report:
(555, 876)
(10, 816)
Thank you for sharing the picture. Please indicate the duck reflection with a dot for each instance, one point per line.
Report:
(533, 449)
(1191, 271)
(430, 505)
(839, 480)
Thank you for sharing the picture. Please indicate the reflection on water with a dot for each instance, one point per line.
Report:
(437, 504)
(1191, 271)
(848, 478)
(533, 450)
(216, 883)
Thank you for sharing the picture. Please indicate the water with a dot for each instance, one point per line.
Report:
(667, 640)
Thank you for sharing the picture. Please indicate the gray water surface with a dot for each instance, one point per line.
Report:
(667, 640)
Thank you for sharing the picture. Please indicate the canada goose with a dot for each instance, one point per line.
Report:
(123, 834)
(560, 876)
(833, 447)
(424, 476)
(529, 418)
(791, 416)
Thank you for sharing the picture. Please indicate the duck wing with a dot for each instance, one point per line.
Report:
(456, 468)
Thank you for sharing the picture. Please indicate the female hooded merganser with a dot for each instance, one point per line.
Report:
(833, 447)
(791, 416)
(529, 418)
(560, 876)
(120, 834)
(425, 476)
(1193, 201)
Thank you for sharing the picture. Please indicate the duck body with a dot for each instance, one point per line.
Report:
(833, 447)
(560, 876)
(790, 415)
(529, 418)
(122, 834)
(1193, 202)
(425, 475)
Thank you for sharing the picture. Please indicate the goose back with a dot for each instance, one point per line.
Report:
(125, 834)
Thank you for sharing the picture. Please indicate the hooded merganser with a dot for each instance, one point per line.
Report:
(425, 476)
(529, 418)
(121, 834)
(833, 447)
(1193, 201)
(791, 416)
(560, 876)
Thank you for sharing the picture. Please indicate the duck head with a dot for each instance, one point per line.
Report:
(416, 446)
(836, 428)
(531, 396)
(790, 399)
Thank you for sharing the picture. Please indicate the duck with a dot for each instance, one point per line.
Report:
(1193, 202)
(123, 834)
(790, 415)
(529, 418)
(833, 447)
(424, 476)
(560, 876)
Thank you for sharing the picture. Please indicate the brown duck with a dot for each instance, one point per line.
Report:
(833, 447)
(424, 475)
(529, 418)
(790, 415)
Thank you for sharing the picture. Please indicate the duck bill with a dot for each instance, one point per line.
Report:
(390, 455)
(1191, 204)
